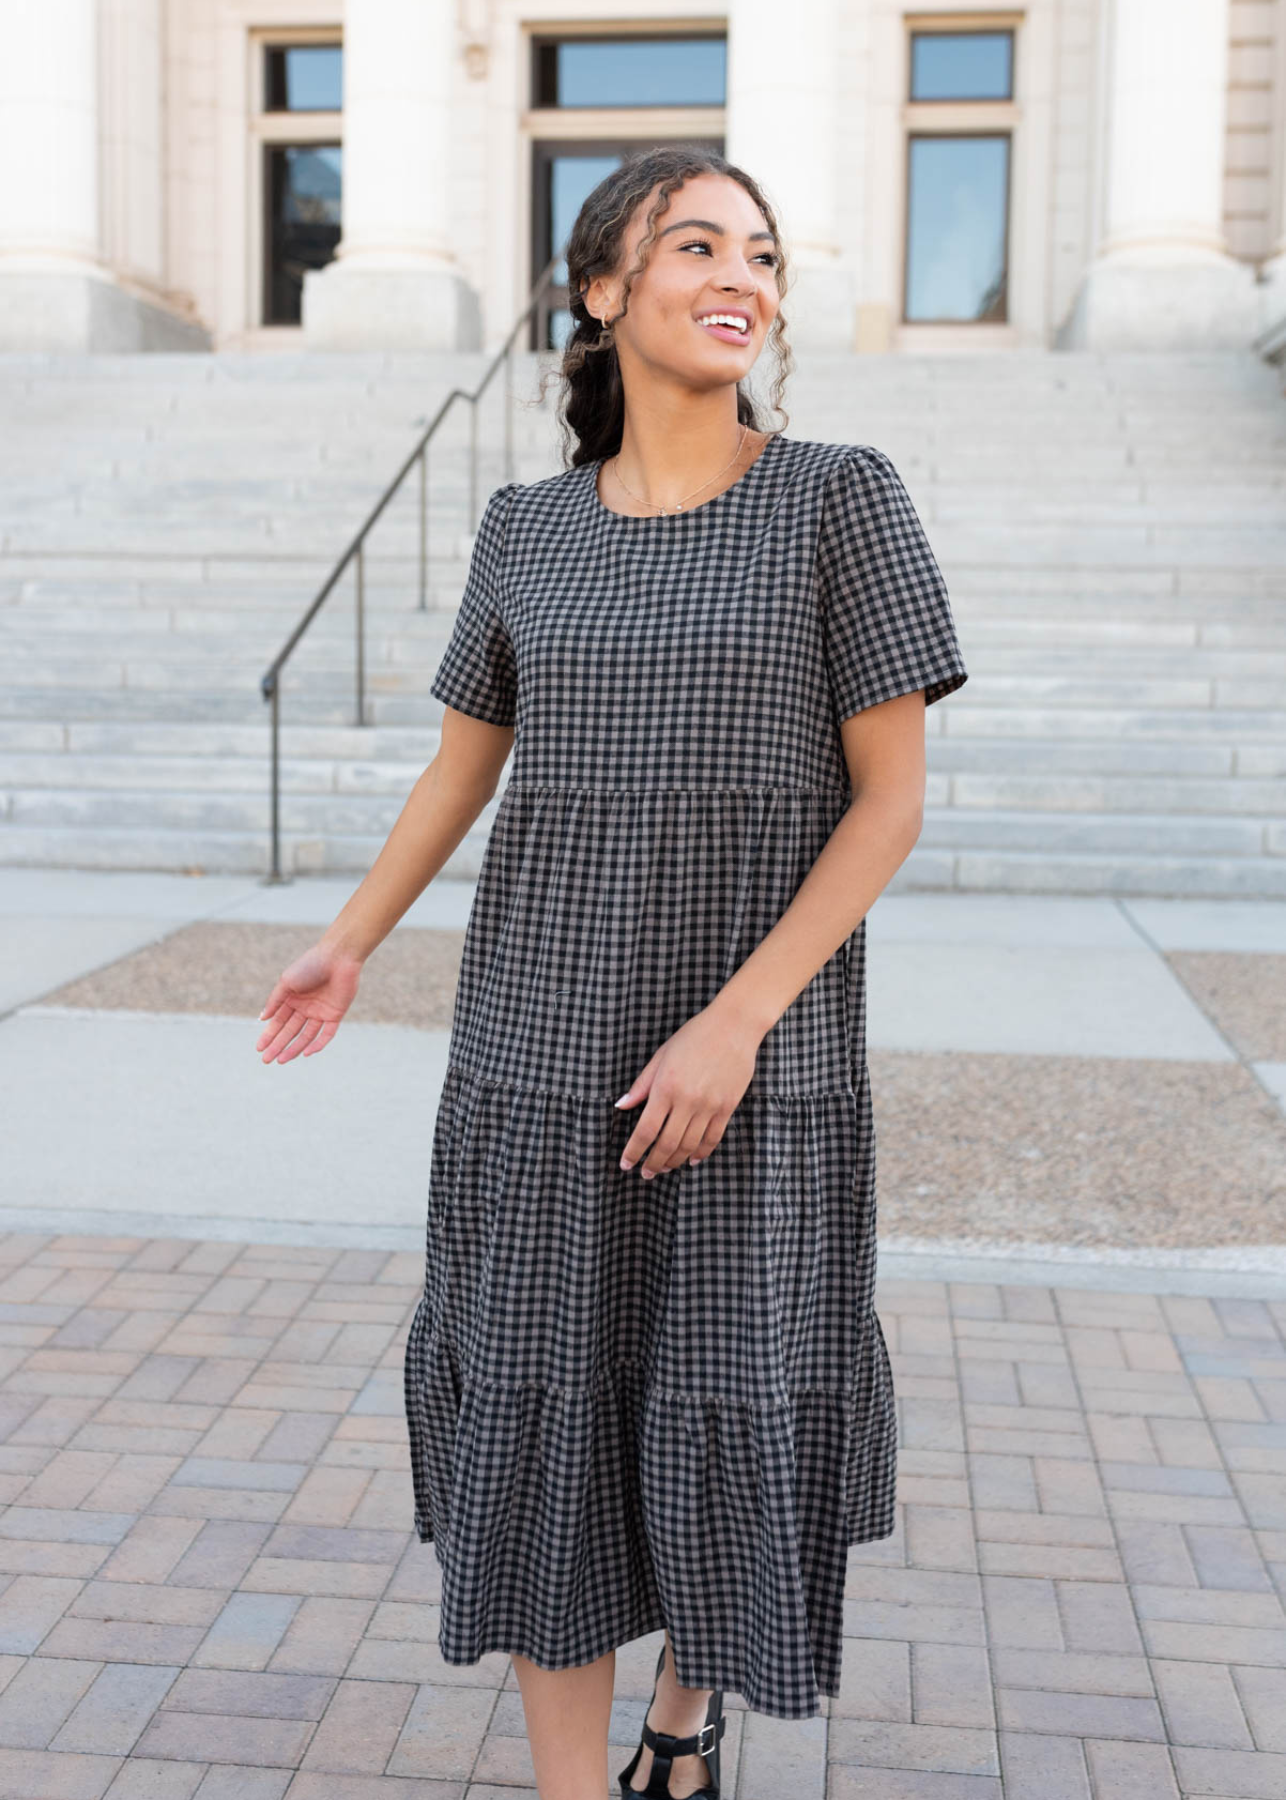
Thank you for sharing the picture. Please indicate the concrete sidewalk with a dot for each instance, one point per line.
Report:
(209, 1584)
(1092, 1081)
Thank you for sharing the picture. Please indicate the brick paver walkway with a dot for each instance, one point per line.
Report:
(209, 1585)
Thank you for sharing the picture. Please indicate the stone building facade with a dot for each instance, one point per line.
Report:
(234, 174)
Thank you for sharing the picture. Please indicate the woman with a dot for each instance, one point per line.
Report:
(646, 1387)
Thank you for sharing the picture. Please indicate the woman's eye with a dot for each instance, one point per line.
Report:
(703, 244)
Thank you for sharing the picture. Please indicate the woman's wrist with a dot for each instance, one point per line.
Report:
(743, 1013)
(346, 942)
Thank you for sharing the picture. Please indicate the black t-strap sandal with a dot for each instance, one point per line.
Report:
(665, 1748)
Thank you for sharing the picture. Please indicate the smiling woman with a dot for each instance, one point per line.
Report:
(710, 283)
(647, 1388)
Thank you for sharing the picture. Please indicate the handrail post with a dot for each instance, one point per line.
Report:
(361, 633)
(507, 400)
(274, 873)
(424, 528)
(473, 459)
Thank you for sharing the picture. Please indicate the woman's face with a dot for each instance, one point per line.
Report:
(713, 253)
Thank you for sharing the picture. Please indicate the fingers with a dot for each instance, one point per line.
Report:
(712, 1139)
(643, 1134)
(669, 1140)
(302, 1041)
(274, 1000)
(323, 1038)
(304, 1036)
(278, 1033)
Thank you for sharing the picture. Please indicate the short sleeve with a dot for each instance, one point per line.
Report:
(478, 674)
(886, 619)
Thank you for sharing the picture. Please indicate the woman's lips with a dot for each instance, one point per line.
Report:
(728, 333)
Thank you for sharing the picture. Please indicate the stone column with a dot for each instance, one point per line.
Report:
(1161, 277)
(1273, 274)
(49, 235)
(394, 283)
(782, 111)
(58, 286)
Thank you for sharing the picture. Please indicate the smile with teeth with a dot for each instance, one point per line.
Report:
(726, 322)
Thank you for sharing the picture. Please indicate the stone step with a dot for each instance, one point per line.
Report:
(401, 700)
(77, 746)
(325, 666)
(1240, 796)
(35, 771)
(226, 645)
(1224, 724)
(925, 869)
(142, 704)
(955, 543)
(1234, 594)
(373, 812)
(1049, 583)
(226, 741)
(222, 742)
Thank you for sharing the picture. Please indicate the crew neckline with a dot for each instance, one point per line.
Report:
(672, 518)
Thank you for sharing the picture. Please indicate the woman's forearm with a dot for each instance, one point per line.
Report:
(438, 814)
(861, 856)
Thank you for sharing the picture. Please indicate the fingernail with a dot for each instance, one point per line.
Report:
(625, 1164)
(648, 1174)
(624, 1097)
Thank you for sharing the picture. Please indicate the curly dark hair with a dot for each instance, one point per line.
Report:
(591, 405)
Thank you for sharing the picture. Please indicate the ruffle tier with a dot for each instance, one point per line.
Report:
(642, 1403)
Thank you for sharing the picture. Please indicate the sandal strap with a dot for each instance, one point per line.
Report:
(699, 1743)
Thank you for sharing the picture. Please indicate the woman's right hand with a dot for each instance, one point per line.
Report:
(311, 997)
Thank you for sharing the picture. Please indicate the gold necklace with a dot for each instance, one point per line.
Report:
(678, 505)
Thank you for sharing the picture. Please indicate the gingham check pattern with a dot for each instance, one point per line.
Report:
(634, 1404)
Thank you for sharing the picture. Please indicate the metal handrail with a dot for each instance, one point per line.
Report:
(356, 551)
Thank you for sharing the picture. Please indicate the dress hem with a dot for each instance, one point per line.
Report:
(705, 1678)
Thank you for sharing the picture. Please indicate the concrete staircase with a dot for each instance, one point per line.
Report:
(1112, 529)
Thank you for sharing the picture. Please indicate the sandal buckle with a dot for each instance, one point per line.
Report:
(704, 1748)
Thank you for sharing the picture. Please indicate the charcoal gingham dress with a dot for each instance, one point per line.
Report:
(634, 1404)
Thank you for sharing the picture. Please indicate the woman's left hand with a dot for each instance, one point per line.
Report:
(693, 1086)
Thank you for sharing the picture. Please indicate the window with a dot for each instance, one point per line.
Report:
(303, 78)
(299, 82)
(302, 187)
(960, 113)
(621, 71)
(962, 65)
(956, 228)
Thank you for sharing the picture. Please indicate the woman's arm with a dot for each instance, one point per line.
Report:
(696, 1080)
(884, 750)
(439, 812)
(310, 998)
